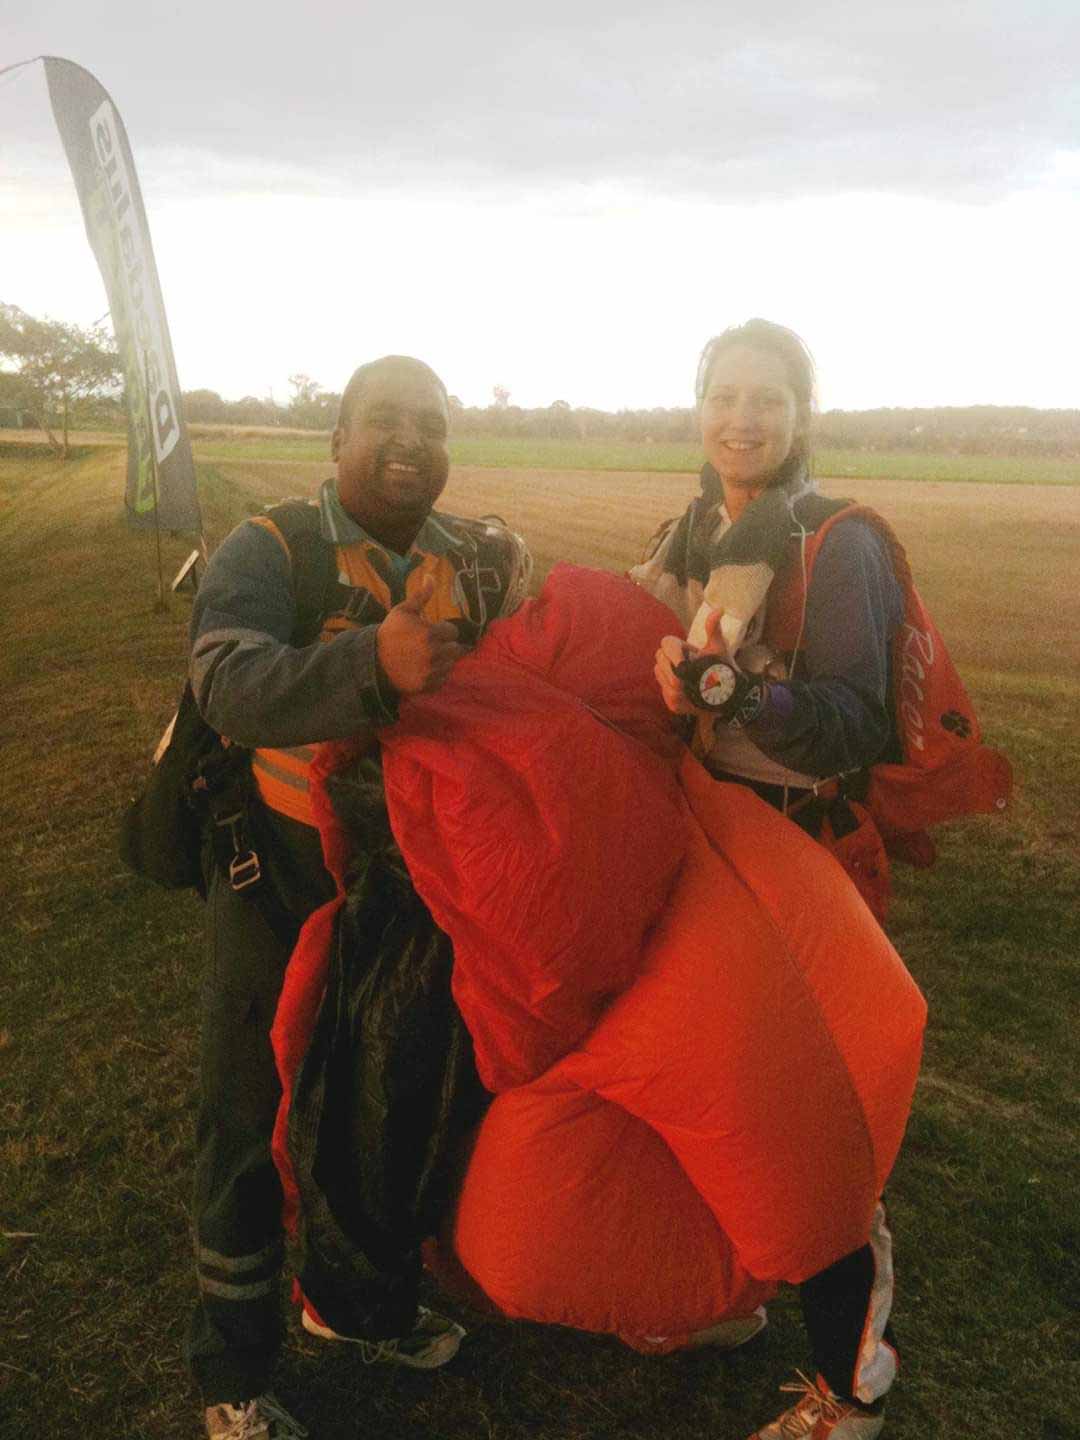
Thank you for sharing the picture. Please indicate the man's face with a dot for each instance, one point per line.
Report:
(392, 457)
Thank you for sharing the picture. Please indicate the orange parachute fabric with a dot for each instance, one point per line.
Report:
(772, 1041)
(574, 1212)
(767, 1031)
(703, 1046)
(535, 800)
(772, 1038)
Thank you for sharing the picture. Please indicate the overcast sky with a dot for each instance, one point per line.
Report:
(570, 201)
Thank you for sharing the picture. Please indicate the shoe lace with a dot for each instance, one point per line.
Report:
(372, 1351)
(256, 1412)
(815, 1405)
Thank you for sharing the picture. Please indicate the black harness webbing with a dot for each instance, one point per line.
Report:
(231, 788)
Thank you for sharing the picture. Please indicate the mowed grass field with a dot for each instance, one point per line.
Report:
(234, 443)
(101, 974)
(214, 443)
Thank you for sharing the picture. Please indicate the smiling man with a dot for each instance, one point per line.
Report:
(390, 446)
(312, 622)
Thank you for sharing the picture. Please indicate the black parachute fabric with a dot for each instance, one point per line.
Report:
(387, 1090)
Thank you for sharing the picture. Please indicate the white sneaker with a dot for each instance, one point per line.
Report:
(434, 1341)
(260, 1419)
(820, 1415)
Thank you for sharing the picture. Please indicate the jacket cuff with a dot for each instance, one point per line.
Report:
(368, 682)
(380, 698)
(776, 710)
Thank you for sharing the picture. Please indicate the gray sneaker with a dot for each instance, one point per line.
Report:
(260, 1419)
(434, 1341)
(724, 1335)
(730, 1334)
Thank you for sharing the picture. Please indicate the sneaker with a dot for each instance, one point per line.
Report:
(259, 1419)
(434, 1341)
(730, 1334)
(820, 1415)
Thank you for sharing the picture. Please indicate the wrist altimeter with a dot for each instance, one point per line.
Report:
(717, 688)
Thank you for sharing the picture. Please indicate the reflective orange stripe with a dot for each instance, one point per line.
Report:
(282, 779)
(335, 625)
(268, 524)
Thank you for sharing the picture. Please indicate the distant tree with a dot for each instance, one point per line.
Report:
(204, 407)
(304, 389)
(12, 399)
(51, 365)
(311, 407)
(250, 410)
(560, 420)
(501, 396)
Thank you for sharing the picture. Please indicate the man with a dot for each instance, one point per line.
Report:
(401, 576)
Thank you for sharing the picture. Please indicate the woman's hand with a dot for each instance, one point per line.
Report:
(714, 638)
(673, 652)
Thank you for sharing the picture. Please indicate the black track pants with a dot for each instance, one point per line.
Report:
(846, 1310)
(236, 1328)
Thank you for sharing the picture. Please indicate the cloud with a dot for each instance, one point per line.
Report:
(695, 98)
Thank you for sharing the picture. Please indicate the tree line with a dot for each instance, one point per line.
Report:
(963, 430)
(55, 377)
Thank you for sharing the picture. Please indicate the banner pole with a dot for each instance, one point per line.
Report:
(103, 168)
(161, 606)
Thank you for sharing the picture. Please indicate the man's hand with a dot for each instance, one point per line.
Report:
(417, 654)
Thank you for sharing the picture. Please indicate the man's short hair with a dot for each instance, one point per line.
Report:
(361, 378)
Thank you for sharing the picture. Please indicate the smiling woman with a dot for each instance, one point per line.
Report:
(793, 605)
(755, 390)
(808, 692)
(802, 689)
(780, 730)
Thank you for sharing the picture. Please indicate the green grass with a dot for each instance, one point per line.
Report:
(98, 1038)
(662, 457)
(950, 469)
(262, 445)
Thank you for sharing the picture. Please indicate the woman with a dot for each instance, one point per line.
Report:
(806, 707)
(797, 690)
(814, 670)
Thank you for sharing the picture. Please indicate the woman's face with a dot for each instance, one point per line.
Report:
(750, 417)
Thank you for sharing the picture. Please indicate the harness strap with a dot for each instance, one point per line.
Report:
(295, 524)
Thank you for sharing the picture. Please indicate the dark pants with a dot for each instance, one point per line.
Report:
(846, 1311)
(236, 1327)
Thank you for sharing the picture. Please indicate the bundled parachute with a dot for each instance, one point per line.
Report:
(678, 1000)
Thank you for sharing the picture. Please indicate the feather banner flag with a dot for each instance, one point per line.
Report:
(160, 469)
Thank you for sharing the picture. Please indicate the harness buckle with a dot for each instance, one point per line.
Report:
(244, 870)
